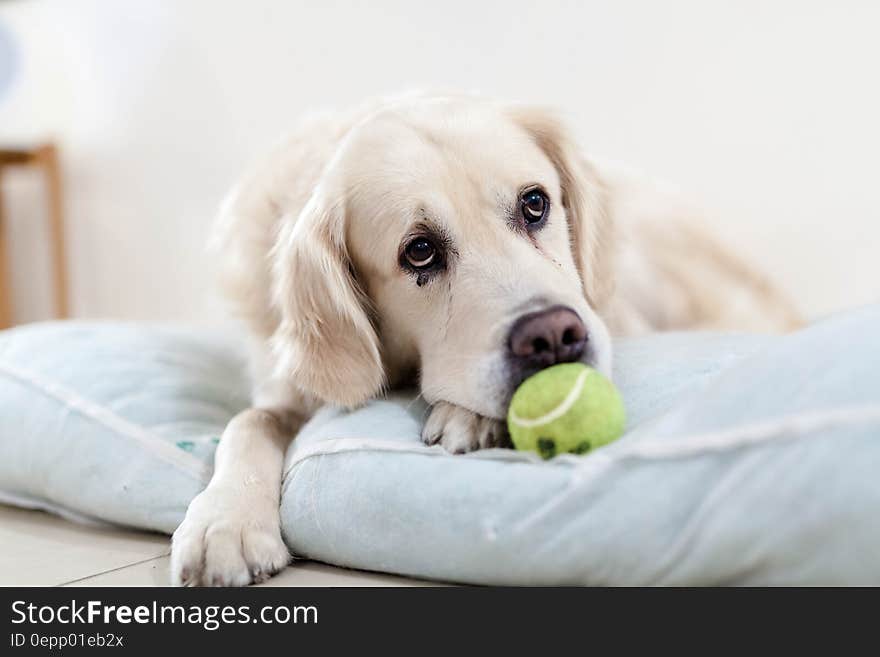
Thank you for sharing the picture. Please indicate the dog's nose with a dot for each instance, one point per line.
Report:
(547, 337)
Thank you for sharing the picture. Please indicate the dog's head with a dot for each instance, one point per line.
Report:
(458, 241)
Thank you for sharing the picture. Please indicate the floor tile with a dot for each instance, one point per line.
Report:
(38, 549)
(304, 573)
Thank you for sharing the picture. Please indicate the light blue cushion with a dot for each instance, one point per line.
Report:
(113, 421)
(748, 459)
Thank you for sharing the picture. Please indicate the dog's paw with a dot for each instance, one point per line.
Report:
(227, 539)
(459, 430)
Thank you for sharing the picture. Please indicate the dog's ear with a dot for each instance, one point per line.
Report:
(325, 342)
(583, 197)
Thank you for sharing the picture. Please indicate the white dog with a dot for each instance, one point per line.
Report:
(455, 241)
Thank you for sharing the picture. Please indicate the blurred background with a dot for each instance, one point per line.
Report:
(765, 113)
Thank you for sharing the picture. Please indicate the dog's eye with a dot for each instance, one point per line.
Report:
(420, 253)
(534, 204)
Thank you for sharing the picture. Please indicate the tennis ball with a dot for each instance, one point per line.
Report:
(565, 408)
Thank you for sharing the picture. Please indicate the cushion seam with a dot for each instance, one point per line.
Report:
(110, 420)
(793, 426)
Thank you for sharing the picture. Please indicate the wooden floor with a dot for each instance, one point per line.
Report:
(38, 549)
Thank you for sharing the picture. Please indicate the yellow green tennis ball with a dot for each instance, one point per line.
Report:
(565, 408)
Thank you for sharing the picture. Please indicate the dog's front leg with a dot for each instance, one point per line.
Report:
(231, 535)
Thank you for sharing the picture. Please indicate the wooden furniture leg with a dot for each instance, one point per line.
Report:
(45, 157)
(49, 157)
(5, 283)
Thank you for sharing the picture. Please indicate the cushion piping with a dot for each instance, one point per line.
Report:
(797, 425)
(104, 416)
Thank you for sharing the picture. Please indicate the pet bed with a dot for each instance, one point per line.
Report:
(747, 460)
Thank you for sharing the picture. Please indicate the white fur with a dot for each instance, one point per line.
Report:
(310, 243)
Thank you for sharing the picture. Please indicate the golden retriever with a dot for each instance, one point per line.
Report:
(455, 241)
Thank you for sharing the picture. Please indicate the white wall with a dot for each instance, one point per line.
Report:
(764, 111)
